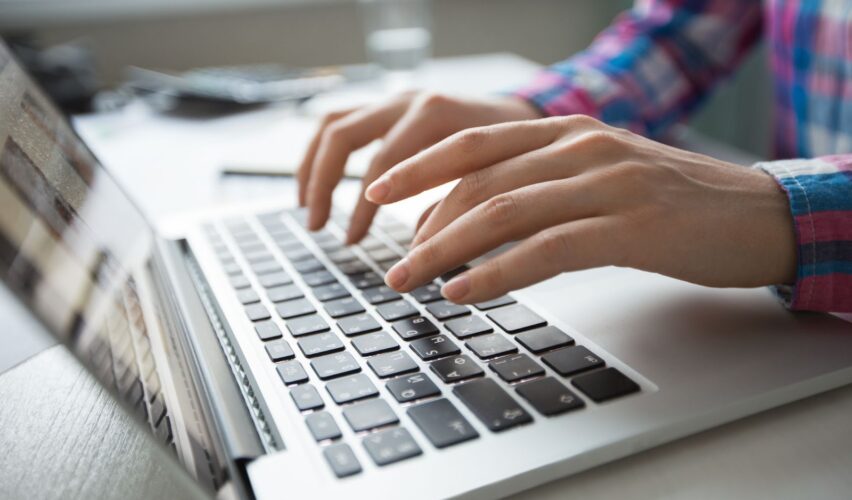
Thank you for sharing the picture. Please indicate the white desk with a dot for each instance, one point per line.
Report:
(61, 435)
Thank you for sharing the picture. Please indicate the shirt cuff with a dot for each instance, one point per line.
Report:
(555, 95)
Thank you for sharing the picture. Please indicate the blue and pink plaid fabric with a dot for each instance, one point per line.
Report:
(659, 61)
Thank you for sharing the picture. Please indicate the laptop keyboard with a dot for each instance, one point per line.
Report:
(372, 327)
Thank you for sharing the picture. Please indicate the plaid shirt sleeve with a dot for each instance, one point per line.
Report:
(653, 66)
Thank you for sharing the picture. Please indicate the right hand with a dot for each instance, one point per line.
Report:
(407, 124)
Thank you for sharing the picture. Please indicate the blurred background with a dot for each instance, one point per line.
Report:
(184, 34)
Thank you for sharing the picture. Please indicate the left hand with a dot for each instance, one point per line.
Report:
(582, 194)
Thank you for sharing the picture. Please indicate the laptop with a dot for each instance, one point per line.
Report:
(272, 362)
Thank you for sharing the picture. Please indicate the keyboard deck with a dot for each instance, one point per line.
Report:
(368, 326)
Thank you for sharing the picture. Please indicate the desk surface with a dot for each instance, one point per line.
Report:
(62, 436)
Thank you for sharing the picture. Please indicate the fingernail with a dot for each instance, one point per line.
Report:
(378, 191)
(457, 288)
(398, 274)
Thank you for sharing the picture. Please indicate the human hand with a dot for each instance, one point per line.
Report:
(408, 123)
(582, 194)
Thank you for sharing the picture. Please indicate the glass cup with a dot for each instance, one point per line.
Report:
(398, 34)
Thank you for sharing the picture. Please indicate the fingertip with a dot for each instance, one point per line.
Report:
(457, 288)
(378, 191)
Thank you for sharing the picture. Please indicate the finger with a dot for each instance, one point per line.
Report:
(424, 216)
(582, 244)
(507, 217)
(304, 172)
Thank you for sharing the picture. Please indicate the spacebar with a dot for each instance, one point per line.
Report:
(491, 404)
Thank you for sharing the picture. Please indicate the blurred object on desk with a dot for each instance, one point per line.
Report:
(398, 38)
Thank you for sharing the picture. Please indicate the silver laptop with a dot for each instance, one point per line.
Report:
(272, 362)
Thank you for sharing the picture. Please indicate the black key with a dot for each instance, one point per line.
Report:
(445, 309)
(495, 303)
(319, 344)
(382, 254)
(549, 397)
(294, 308)
(297, 253)
(456, 369)
(491, 404)
(544, 339)
(306, 397)
(343, 307)
(412, 387)
(308, 266)
(275, 279)
(391, 364)
(341, 255)
(232, 268)
(291, 372)
(356, 325)
(605, 384)
(335, 365)
(516, 318)
(307, 325)
(257, 312)
(319, 278)
(352, 388)
(284, 293)
(447, 276)
(267, 330)
(468, 326)
(366, 280)
(247, 296)
(341, 459)
(279, 350)
(239, 281)
(353, 267)
(571, 360)
(390, 446)
(427, 293)
(158, 410)
(386, 265)
(393, 311)
(266, 267)
(434, 347)
(380, 295)
(442, 423)
(374, 343)
(322, 426)
(330, 292)
(491, 346)
(414, 328)
(517, 367)
(369, 415)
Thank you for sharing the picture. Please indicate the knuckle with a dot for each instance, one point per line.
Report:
(470, 188)
(553, 245)
(471, 139)
(336, 133)
(501, 209)
(579, 121)
(433, 100)
(427, 253)
(494, 275)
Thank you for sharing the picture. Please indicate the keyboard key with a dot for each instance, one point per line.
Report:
(414, 328)
(247, 296)
(374, 343)
(390, 446)
(442, 423)
(267, 330)
(342, 255)
(412, 387)
(370, 243)
(343, 307)
(294, 308)
(391, 364)
(386, 265)
(435, 347)
(495, 303)
(318, 278)
(266, 267)
(544, 339)
(516, 318)
(427, 293)
(239, 281)
(352, 388)
(353, 267)
(571, 360)
(380, 295)
(291, 372)
(493, 406)
(549, 397)
(284, 293)
(307, 325)
(393, 311)
(330, 292)
(456, 369)
(306, 397)
(356, 325)
(308, 266)
(447, 276)
(445, 309)
(366, 280)
(468, 326)
(382, 254)
(279, 350)
(341, 459)
(517, 367)
(257, 312)
(297, 253)
(606, 384)
(491, 346)
(335, 365)
(231, 268)
(319, 344)
(259, 256)
(369, 415)
(275, 279)
(322, 426)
